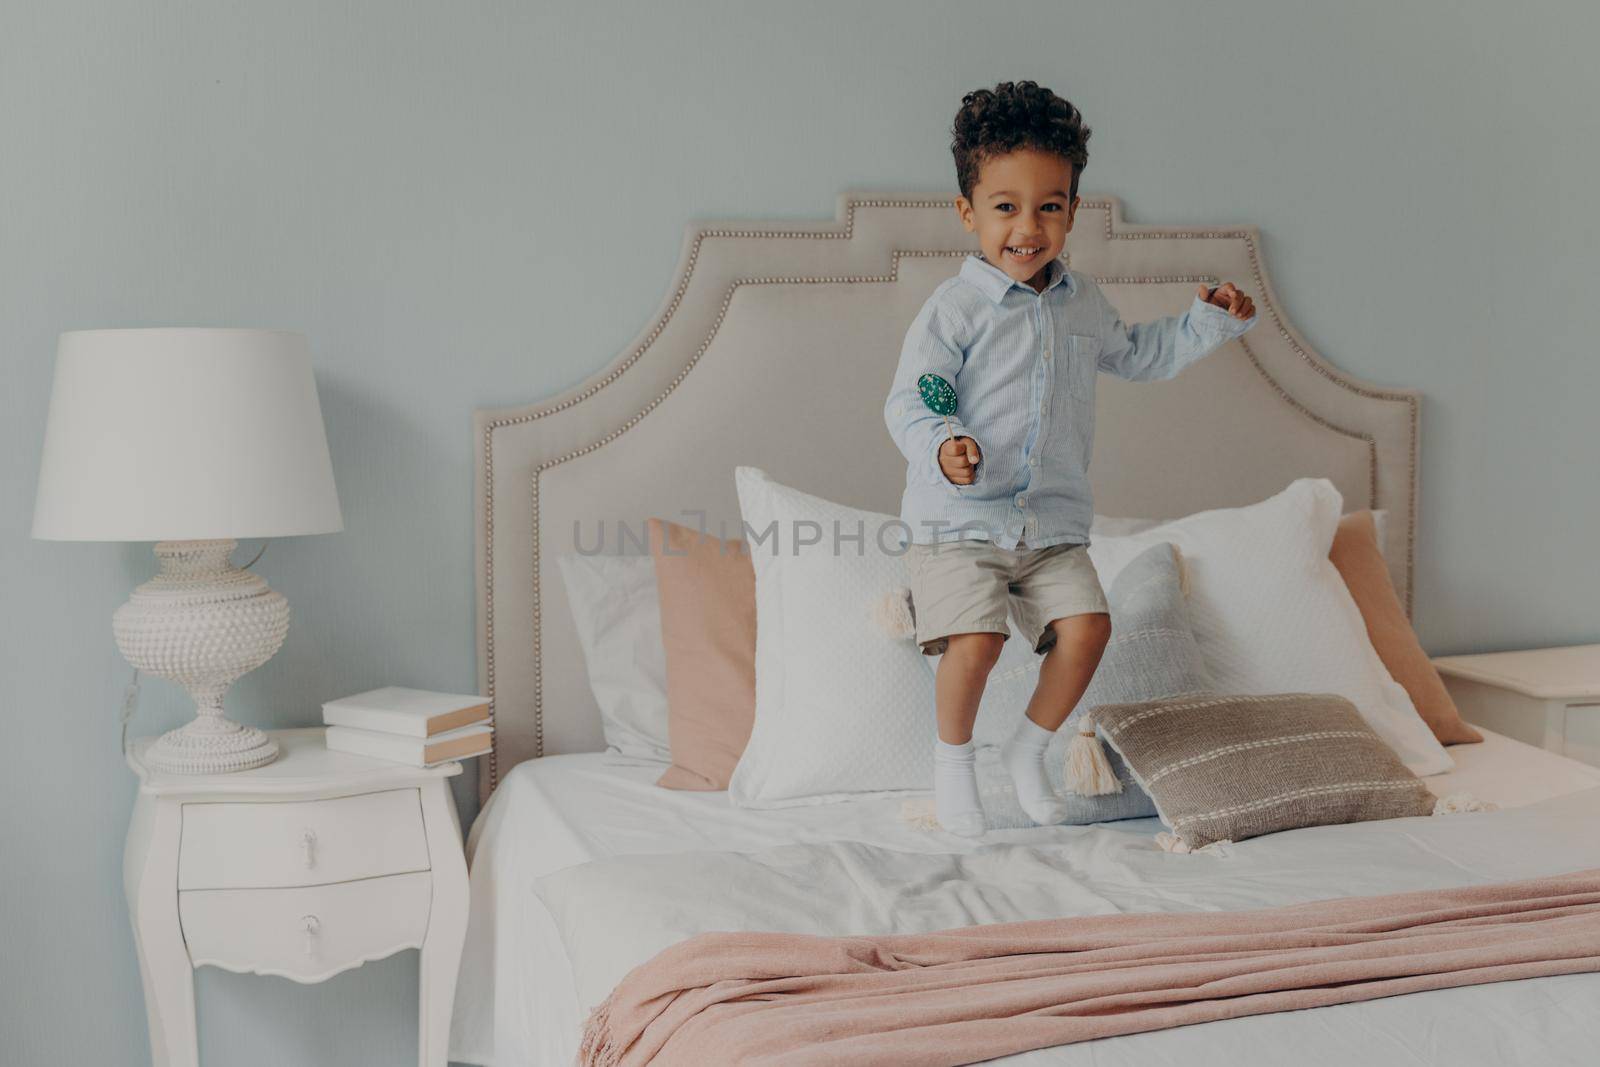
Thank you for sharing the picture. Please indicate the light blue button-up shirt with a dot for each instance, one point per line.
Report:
(1023, 364)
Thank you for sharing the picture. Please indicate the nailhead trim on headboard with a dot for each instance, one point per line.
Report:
(844, 233)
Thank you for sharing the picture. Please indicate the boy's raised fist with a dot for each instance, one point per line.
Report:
(1228, 297)
(959, 460)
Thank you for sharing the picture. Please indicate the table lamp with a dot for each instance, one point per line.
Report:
(190, 438)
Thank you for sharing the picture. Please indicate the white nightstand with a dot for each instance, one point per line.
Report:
(1548, 697)
(311, 865)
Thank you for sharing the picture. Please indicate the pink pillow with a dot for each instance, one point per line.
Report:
(1356, 556)
(708, 627)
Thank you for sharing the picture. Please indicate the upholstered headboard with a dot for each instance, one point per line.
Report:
(755, 307)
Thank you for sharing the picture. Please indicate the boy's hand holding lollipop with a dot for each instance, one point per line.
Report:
(958, 456)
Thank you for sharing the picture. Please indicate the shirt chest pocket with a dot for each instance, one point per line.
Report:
(1081, 359)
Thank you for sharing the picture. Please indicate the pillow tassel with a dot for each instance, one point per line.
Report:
(1168, 842)
(1183, 570)
(1456, 803)
(1089, 772)
(893, 613)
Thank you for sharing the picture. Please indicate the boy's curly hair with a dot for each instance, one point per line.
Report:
(1016, 115)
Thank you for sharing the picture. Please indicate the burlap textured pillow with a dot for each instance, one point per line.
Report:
(1225, 768)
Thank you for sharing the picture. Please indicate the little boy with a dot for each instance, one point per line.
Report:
(999, 515)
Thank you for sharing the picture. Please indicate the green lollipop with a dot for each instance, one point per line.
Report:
(940, 396)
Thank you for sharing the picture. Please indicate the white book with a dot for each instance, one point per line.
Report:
(409, 712)
(468, 741)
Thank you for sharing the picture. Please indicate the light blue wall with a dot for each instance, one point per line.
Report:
(474, 203)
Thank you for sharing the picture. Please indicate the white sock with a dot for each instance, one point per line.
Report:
(955, 789)
(1023, 757)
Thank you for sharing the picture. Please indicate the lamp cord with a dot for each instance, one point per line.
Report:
(257, 557)
(130, 704)
(130, 695)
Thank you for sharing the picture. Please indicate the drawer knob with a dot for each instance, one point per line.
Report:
(311, 927)
(308, 841)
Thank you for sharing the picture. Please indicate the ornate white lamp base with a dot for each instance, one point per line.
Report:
(203, 623)
(211, 745)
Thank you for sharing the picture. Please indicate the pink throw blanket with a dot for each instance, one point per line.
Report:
(974, 993)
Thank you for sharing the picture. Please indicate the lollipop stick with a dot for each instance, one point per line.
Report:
(948, 427)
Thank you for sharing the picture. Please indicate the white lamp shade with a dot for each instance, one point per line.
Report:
(184, 434)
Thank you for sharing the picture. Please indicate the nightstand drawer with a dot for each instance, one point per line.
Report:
(266, 845)
(305, 934)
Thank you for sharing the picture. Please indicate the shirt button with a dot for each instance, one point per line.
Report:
(1022, 498)
(1033, 461)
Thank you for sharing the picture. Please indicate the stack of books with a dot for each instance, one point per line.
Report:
(410, 726)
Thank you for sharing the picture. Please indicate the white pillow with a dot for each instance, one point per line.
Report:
(1016, 674)
(1380, 527)
(1272, 615)
(1116, 526)
(843, 710)
(616, 610)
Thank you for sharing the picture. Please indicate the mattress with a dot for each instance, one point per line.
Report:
(521, 1000)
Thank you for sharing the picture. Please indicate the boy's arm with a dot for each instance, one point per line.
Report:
(1151, 351)
(933, 345)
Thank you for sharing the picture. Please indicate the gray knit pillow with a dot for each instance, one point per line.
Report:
(1224, 768)
(1152, 653)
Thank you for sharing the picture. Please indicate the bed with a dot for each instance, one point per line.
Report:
(582, 868)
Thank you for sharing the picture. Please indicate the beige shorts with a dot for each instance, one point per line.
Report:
(964, 587)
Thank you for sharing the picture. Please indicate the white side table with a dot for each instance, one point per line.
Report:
(1548, 697)
(311, 865)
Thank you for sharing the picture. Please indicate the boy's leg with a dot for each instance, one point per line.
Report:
(958, 687)
(959, 595)
(1063, 676)
(1063, 610)
(1068, 667)
(959, 683)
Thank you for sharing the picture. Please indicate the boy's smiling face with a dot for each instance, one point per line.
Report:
(1021, 209)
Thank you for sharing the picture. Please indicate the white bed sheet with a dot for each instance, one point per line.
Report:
(518, 1001)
